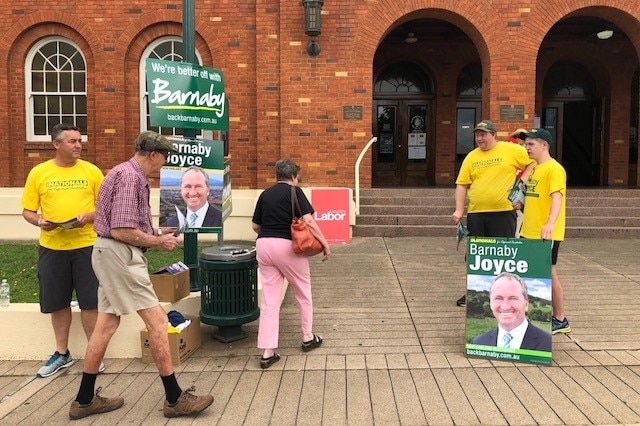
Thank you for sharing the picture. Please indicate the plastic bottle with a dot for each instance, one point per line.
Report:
(5, 294)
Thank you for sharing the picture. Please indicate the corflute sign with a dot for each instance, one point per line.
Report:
(186, 96)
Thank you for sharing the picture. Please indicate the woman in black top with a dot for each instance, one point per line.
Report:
(277, 261)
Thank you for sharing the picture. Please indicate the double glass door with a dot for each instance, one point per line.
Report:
(404, 153)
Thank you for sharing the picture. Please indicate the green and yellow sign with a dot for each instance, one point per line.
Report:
(509, 300)
(186, 96)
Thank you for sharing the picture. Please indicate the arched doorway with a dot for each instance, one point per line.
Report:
(403, 124)
(574, 115)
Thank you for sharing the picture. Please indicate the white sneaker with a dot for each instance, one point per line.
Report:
(101, 368)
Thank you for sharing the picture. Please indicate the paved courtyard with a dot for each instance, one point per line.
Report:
(393, 353)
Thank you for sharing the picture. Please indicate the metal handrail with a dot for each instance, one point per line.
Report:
(357, 189)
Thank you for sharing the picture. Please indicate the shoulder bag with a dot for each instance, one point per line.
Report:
(304, 242)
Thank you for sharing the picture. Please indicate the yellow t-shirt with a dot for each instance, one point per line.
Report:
(490, 176)
(547, 178)
(61, 194)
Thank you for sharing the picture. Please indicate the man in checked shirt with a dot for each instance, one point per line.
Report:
(123, 223)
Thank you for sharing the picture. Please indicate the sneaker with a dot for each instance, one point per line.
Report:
(188, 403)
(462, 301)
(97, 405)
(55, 363)
(101, 368)
(560, 326)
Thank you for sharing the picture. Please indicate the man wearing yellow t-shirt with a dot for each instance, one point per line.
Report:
(487, 175)
(545, 215)
(64, 190)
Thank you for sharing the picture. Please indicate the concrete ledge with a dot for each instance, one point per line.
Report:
(27, 333)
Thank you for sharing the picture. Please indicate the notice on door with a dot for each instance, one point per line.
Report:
(332, 214)
(417, 146)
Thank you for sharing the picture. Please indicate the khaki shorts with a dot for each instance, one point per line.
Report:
(122, 270)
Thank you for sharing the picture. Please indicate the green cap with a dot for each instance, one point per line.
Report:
(152, 141)
(486, 126)
(537, 133)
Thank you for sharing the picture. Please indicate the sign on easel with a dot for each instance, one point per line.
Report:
(509, 300)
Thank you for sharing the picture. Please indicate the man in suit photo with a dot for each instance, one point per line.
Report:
(194, 187)
(509, 301)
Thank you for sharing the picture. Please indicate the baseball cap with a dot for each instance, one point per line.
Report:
(538, 134)
(486, 126)
(152, 141)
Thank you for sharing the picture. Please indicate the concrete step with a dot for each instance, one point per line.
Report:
(449, 231)
(404, 212)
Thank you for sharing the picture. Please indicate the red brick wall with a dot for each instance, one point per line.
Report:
(284, 103)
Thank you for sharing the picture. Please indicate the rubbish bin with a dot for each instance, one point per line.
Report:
(229, 290)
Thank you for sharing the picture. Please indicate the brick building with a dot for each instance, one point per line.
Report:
(416, 74)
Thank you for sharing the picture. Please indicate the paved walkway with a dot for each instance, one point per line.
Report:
(393, 353)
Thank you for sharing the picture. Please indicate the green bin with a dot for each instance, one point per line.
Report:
(229, 290)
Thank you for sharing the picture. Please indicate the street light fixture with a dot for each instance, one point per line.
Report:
(312, 11)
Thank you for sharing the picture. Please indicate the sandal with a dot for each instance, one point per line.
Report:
(312, 344)
(268, 362)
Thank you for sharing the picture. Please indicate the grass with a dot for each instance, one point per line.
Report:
(19, 265)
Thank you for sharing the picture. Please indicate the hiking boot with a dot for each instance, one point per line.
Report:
(55, 364)
(97, 405)
(560, 326)
(187, 404)
(462, 301)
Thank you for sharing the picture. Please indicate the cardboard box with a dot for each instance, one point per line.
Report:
(182, 344)
(170, 287)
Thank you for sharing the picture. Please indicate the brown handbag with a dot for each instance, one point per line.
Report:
(304, 242)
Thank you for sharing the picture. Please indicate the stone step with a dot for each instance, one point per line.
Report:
(449, 191)
(448, 201)
(426, 210)
(405, 212)
(446, 221)
(446, 231)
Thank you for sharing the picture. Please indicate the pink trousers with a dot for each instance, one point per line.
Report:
(277, 261)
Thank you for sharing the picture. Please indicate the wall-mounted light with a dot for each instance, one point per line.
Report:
(312, 11)
(604, 35)
(411, 38)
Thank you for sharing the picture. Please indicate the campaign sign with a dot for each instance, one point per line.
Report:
(186, 95)
(193, 188)
(509, 299)
(332, 213)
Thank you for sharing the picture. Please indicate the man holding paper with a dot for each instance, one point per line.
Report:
(64, 191)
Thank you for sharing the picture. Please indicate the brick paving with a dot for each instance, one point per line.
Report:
(393, 353)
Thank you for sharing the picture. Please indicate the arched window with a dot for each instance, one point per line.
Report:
(402, 77)
(470, 81)
(55, 87)
(567, 80)
(167, 49)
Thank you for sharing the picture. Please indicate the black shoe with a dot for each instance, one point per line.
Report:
(268, 362)
(462, 301)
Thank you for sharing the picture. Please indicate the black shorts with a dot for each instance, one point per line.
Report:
(554, 252)
(60, 272)
(492, 224)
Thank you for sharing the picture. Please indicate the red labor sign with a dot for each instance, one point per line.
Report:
(332, 213)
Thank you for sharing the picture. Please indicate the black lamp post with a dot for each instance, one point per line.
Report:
(312, 10)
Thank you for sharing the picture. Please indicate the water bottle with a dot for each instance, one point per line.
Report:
(5, 294)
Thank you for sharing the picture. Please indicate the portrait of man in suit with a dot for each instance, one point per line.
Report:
(509, 302)
(194, 188)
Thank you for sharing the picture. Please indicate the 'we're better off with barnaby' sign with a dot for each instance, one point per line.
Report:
(186, 96)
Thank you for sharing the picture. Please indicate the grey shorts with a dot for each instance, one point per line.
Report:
(60, 272)
(122, 270)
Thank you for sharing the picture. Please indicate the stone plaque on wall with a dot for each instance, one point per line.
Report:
(352, 112)
(511, 112)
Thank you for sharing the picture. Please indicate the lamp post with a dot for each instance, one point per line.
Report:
(312, 11)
